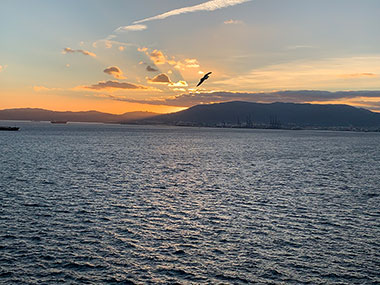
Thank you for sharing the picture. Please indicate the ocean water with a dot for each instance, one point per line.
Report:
(118, 204)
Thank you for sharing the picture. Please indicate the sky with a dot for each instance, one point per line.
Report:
(148, 55)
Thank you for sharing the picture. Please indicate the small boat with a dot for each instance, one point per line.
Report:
(9, 128)
(58, 122)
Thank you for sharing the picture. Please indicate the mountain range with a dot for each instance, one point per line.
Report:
(30, 114)
(276, 115)
(228, 114)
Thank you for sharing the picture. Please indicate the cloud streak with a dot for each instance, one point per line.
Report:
(109, 85)
(206, 6)
(370, 98)
(84, 52)
(131, 28)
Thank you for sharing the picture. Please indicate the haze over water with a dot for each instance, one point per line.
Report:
(92, 203)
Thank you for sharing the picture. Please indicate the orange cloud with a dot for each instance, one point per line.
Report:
(84, 52)
(180, 83)
(164, 79)
(114, 71)
(157, 57)
(143, 49)
(191, 63)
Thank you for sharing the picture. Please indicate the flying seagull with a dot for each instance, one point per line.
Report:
(206, 76)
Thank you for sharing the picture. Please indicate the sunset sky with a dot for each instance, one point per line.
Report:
(127, 55)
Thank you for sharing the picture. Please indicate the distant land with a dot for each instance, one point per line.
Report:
(235, 114)
(273, 115)
(31, 114)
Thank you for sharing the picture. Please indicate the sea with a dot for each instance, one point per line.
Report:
(123, 204)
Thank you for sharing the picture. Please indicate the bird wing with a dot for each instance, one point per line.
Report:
(204, 78)
(201, 81)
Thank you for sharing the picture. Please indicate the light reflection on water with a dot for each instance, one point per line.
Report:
(98, 203)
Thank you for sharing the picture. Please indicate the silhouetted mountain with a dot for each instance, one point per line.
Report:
(88, 116)
(272, 115)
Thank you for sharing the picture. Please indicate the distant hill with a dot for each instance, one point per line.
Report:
(87, 116)
(287, 115)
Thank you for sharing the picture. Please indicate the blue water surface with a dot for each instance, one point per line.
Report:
(109, 204)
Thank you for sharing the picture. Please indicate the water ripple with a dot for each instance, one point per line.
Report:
(116, 204)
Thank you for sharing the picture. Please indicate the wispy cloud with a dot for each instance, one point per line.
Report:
(206, 6)
(45, 89)
(356, 75)
(295, 47)
(115, 72)
(84, 52)
(109, 85)
(353, 73)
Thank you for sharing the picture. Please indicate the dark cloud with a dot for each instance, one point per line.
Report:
(114, 71)
(306, 96)
(151, 69)
(161, 78)
(84, 52)
(114, 85)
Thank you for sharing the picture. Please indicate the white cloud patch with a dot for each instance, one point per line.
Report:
(180, 83)
(206, 6)
(131, 28)
(233, 22)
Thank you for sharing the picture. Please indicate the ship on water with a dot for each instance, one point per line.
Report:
(58, 122)
(9, 128)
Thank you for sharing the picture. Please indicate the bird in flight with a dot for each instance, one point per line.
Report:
(206, 76)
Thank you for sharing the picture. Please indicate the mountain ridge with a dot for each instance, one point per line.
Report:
(38, 114)
(286, 115)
